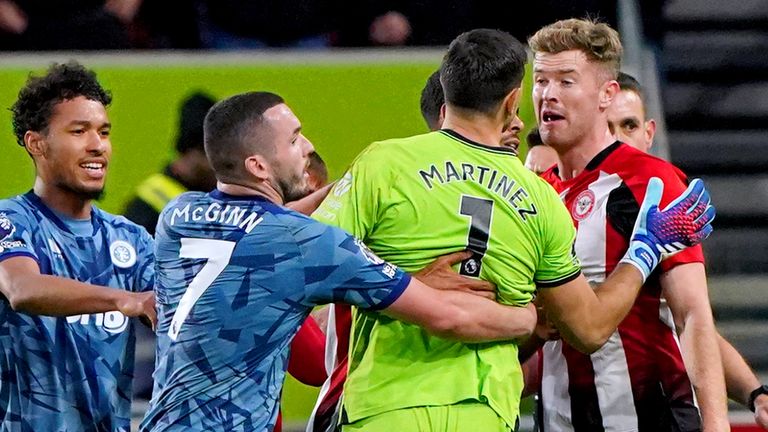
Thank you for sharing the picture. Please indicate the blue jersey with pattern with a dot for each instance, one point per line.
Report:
(70, 373)
(236, 277)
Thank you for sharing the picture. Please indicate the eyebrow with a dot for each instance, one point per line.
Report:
(86, 123)
(557, 71)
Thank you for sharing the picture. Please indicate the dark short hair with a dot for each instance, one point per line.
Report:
(480, 68)
(191, 118)
(432, 100)
(231, 132)
(533, 138)
(628, 83)
(34, 107)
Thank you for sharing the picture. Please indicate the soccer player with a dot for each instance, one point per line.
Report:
(416, 198)
(238, 272)
(326, 411)
(627, 117)
(71, 274)
(638, 380)
(432, 104)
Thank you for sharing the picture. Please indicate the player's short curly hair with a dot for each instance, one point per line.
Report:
(34, 106)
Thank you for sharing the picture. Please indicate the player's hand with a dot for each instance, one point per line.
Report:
(141, 305)
(685, 222)
(440, 275)
(761, 411)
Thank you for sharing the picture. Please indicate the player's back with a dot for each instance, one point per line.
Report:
(224, 320)
(236, 277)
(414, 199)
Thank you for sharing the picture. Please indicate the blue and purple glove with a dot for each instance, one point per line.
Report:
(685, 222)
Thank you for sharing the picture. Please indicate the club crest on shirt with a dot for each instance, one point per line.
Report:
(583, 205)
(122, 253)
(6, 227)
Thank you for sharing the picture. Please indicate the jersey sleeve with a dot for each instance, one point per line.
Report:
(16, 228)
(353, 202)
(145, 276)
(675, 182)
(339, 268)
(559, 264)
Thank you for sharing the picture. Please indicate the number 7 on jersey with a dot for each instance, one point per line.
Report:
(218, 253)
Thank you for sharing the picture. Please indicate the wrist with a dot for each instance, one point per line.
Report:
(642, 256)
(762, 390)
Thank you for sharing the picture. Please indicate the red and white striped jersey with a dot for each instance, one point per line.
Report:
(637, 381)
(325, 415)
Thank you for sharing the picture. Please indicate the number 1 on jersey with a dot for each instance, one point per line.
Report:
(218, 253)
(479, 211)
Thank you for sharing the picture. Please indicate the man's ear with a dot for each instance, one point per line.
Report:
(608, 93)
(511, 103)
(34, 142)
(258, 167)
(650, 132)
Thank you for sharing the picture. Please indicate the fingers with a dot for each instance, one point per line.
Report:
(490, 295)
(455, 257)
(692, 193)
(705, 218)
(653, 194)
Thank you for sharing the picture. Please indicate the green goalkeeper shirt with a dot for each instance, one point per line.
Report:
(414, 199)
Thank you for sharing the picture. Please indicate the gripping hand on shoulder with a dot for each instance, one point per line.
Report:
(685, 222)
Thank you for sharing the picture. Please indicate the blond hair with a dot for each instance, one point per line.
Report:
(598, 41)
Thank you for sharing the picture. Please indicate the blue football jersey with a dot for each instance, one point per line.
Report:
(70, 373)
(236, 277)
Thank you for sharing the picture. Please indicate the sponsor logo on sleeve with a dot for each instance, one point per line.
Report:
(7, 229)
(343, 185)
(122, 253)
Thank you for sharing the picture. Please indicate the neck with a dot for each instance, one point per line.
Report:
(574, 158)
(474, 126)
(263, 189)
(63, 201)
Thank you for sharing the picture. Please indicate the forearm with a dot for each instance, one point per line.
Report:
(55, 296)
(483, 320)
(590, 316)
(739, 378)
(701, 355)
(311, 202)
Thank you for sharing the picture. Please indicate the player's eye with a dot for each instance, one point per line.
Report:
(105, 132)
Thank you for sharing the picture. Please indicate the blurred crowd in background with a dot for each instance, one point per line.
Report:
(27, 25)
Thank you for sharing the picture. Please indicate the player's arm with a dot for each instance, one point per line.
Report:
(741, 381)
(307, 360)
(587, 317)
(311, 202)
(460, 315)
(29, 291)
(685, 288)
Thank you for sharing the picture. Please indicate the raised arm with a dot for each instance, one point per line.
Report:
(31, 292)
(587, 317)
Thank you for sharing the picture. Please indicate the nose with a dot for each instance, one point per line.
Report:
(97, 143)
(308, 147)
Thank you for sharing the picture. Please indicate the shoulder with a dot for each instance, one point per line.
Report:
(18, 210)
(633, 163)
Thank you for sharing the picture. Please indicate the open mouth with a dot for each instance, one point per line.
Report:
(550, 116)
(94, 169)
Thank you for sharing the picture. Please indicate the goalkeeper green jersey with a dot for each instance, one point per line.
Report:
(414, 199)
